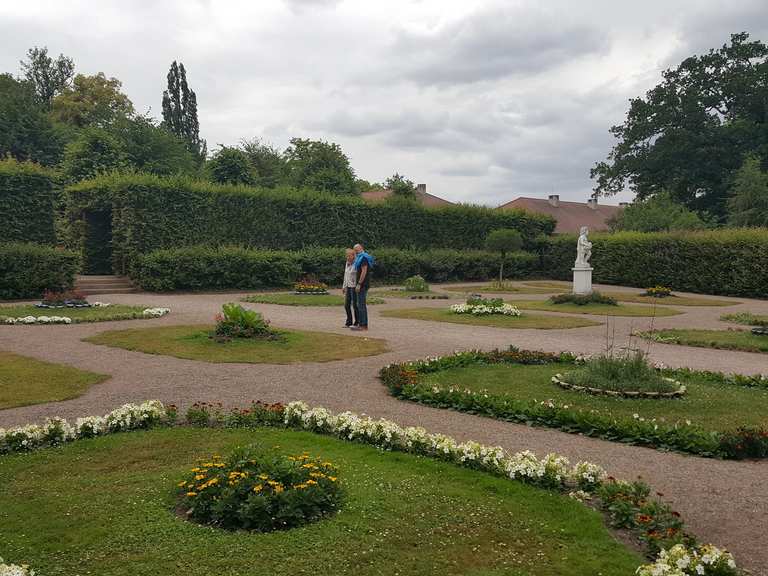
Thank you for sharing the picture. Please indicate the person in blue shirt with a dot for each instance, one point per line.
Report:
(364, 267)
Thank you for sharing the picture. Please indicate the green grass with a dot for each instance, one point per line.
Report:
(289, 299)
(672, 300)
(596, 309)
(498, 321)
(511, 288)
(722, 339)
(25, 381)
(746, 318)
(711, 405)
(393, 293)
(113, 312)
(193, 343)
(628, 373)
(104, 506)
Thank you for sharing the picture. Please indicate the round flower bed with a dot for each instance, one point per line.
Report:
(260, 490)
(558, 379)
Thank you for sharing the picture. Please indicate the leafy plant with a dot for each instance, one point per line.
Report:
(416, 284)
(593, 297)
(745, 443)
(629, 372)
(260, 490)
(504, 241)
(238, 322)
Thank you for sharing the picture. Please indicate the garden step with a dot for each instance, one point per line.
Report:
(104, 284)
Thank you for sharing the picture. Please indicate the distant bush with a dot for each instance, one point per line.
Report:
(27, 198)
(28, 270)
(593, 297)
(416, 284)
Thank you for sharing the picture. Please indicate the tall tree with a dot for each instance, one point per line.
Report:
(400, 186)
(319, 165)
(230, 166)
(748, 204)
(91, 101)
(94, 152)
(267, 161)
(689, 134)
(180, 111)
(48, 76)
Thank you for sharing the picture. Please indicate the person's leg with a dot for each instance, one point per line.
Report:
(349, 296)
(362, 308)
(355, 309)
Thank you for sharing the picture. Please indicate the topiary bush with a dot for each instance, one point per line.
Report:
(593, 297)
(28, 270)
(27, 202)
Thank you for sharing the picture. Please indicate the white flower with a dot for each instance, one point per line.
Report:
(155, 312)
(15, 570)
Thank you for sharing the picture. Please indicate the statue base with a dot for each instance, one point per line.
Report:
(582, 280)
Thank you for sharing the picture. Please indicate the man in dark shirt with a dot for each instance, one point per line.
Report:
(364, 266)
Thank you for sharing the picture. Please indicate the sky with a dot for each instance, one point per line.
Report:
(483, 101)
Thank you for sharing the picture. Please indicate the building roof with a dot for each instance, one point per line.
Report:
(570, 216)
(424, 197)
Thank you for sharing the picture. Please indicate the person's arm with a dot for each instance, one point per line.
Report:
(363, 273)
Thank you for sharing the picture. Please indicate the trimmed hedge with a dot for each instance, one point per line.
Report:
(151, 212)
(27, 270)
(731, 262)
(27, 199)
(205, 267)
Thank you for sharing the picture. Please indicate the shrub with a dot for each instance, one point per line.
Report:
(238, 322)
(658, 292)
(593, 297)
(27, 201)
(416, 284)
(28, 270)
(260, 490)
(625, 373)
(66, 298)
(745, 443)
(732, 262)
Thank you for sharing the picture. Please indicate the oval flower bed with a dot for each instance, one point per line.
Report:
(97, 312)
(558, 379)
(627, 504)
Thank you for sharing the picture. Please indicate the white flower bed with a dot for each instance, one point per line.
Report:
(15, 570)
(156, 312)
(39, 320)
(682, 561)
(484, 310)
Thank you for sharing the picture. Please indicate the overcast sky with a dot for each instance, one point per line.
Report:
(483, 101)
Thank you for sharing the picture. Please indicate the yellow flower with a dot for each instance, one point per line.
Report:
(278, 489)
(191, 493)
(199, 477)
(181, 484)
(195, 470)
(258, 488)
(311, 482)
(263, 476)
(332, 478)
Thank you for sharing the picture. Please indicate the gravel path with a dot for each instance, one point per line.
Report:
(723, 502)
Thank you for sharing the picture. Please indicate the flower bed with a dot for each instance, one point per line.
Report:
(658, 292)
(558, 379)
(121, 313)
(310, 287)
(485, 306)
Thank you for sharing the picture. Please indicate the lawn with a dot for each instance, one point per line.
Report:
(194, 343)
(394, 293)
(105, 506)
(509, 289)
(723, 339)
(746, 318)
(596, 309)
(290, 299)
(714, 406)
(100, 314)
(25, 381)
(539, 321)
(672, 300)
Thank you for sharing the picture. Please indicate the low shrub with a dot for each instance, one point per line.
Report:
(28, 270)
(260, 490)
(624, 373)
(745, 443)
(746, 318)
(415, 284)
(593, 297)
(238, 322)
(658, 292)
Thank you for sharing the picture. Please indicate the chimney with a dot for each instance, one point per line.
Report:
(592, 203)
(554, 199)
(421, 188)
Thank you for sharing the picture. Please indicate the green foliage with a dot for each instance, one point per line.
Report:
(238, 322)
(691, 132)
(94, 152)
(400, 186)
(28, 270)
(91, 101)
(230, 166)
(415, 284)
(202, 267)
(745, 443)
(364, 186)
(48, 77)
(729, 262)
(747, 318)
(149, 148)
(504, 241)
(593, 297)
(659, 213)
(267, 162)
(319, 165)
(27, 199)
(748, 203)
(180, 111)
(151, 213)
(623, 373)
(260, 490)
(26, 131)
(658, 292)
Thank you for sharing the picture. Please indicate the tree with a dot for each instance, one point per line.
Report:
(689, 134)
(47, 76)
(149, 148)
(267, 162)
(748, 203)
(91, 101)
(230, 166)
(180, 111)
(319, 165)
(26, 132)
(659, 213)
(400, 186)
(95, 151)
(365, 186)
(504, 241)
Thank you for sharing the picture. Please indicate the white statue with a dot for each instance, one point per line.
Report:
(583, 249)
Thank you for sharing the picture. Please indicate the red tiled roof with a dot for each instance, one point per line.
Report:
(426, 199)
(570, 216)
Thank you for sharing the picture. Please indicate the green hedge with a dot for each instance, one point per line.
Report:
(151, 213)
(27, 270)
(731, 262)
(202, 267)
(27, 199)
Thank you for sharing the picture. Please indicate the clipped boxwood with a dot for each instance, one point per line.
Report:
(731, 262)
(205, 267)
(27, 198)
(27, 270)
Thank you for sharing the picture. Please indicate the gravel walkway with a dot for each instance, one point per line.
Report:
(723, 502)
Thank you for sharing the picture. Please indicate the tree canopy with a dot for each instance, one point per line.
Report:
(690, 133)
(659, 213)
(91, 101)
(180, 111)
(230, 166)
(400, 186)
(149, 148)
(93, 152)
(504, 241)
(47, 76)
(748, 203)
(319, 165)
(267, 162)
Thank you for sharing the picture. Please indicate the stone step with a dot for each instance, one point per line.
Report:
(104, 284)
(91, 292)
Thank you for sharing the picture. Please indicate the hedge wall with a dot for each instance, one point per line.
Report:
(151, 212)
(204, 267)
(27, 199)
(27, 270)
(731, 262)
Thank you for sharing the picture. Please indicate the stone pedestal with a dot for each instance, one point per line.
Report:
(582, 280)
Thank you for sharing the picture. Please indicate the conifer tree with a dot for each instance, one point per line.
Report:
(180, 111)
